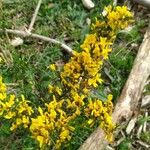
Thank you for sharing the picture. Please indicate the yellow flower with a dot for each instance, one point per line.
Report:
(52, 114)
(64, 134)
(11, 102)
(9, 115)
(13, 126)
(70, 104)
(77, 112)
(16, 124)
(90, 121)
(85, 90)
(40, 139)
(23, 106)
(25, 121)
(1, 111)
(110, 97)
(118, 17)
(58, 144)
(2, 85)
(98, 78)
(40, 110)
(2, 89)
(89, 42)
(92, 81)
(50, 88)
(2, 96)
(45, 133)
(52, 67)
(18, 121)
(78, 100)
(58, 90)
(21, 109)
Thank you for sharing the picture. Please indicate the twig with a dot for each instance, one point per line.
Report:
(109, 148)
(139, 131)
(7, 37)
(6, 56)
(37, 36)
(145, 123)
(34, 16)
(12, 84)
(143, 144)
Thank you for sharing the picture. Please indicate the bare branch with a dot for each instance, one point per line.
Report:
(37, 36)
(34, 16)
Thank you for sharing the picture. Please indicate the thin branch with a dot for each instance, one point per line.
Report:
(37, 36)
(34, 16)
(12, 84)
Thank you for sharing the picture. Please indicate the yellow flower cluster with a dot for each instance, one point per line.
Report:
(23, 113)
(2, 90)
(82, 74)
(119, 17)
(71, 96)
(16, 109)
(98, 110)
(115, 19)
(52, 120)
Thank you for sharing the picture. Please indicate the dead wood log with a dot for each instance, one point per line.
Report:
(143, 2)
(130, 96)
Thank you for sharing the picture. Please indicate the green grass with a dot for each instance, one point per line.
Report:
(145, 136)
(125, 144)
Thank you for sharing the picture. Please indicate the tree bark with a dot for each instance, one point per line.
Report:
(143, 2)
(130, 96)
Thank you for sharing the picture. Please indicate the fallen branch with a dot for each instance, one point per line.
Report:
(129, 98)
(37, 36)
(34, 16)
